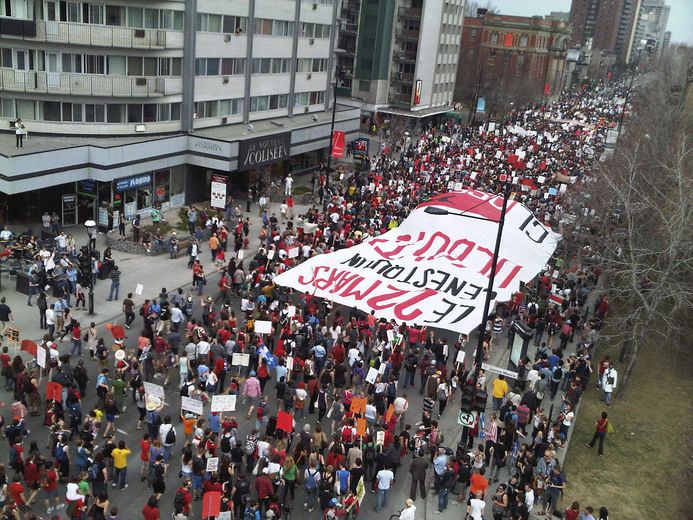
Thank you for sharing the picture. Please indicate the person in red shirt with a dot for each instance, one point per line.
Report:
(184, 491)
(150, 511)
(31, 479)
(145, 445)
(264, 488)
(478, 483)
(49, 483)
(5, 362)
(16, 492)
(599, 433)
(76, 339)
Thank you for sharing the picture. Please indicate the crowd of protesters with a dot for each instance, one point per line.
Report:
(346, 435)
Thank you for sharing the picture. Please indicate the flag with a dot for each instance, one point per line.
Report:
(338, 144)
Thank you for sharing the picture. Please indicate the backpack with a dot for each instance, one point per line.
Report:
(75, 411)
(94, 471)
(369, 453)
(442, 394)
(347, 434)
(170, 436)
(310, 480)
(249, 514)
(249, 447)
(59, 453)
(179, 501)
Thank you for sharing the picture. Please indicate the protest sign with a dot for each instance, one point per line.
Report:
(240, 359)
(191, 405)
(223, 403)
(263, 327)
(154, 389)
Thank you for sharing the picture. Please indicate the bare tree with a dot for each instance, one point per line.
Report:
(644, 194)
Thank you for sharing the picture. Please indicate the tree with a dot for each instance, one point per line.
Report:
(644, 195)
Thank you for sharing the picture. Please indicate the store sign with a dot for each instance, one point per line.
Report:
(130, 183)
(86, 187)
(218, 195)
(360, 148)
(254, 153)
(417, 92)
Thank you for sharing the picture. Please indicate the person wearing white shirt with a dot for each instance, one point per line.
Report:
(203, 348)
(6, 234)
(354, 355)
(177, 317)
(385, 478)
(409, 511)
(476, 507)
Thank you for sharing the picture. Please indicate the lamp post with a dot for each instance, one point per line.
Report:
(90, 226)
(630, 86)
(479, 356)
(337, 53)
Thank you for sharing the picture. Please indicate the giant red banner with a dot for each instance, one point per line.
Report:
(338, 143)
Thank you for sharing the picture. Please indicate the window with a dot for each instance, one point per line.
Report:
(151, 66)
(301, 99)
(319, 64)
(230, 106)
(524, 40)
(115, 15)
(303, 65)
(263, 26)
(169, 66)
(6, 107)
(135, 17)
(283, 28)
(211, 108)
(278, 101)
(308, 30)
(494, 38)
(6, 58)
(135, 65)
(151, 18)
(96, 13)
(51, 111)
(135, 113)
(115, 113)
(232, 66)
(212, 67)
(94, 113)
(280, 65)
(94, 64)
(317, 98)
(231, 24)
(262, 65)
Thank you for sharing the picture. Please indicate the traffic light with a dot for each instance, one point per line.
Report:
(467, 402)
(479, 403)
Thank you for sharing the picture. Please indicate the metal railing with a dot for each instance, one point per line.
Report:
(105, 35)
(87, 84)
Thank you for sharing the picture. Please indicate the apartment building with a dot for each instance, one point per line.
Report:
(650, 25)
(140, 102)
(400, 56)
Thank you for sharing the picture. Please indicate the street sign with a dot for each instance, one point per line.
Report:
(499, 370)
(466, 419)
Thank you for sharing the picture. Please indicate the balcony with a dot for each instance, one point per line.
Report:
(350, 28)
(405, 56)
(103, 36)
(38, 82)
(407, 35)
(409, 13)
(402, 77)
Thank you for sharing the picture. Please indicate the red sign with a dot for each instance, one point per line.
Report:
(338, 143)
(508, 42)
(211, 504)
(547, 89)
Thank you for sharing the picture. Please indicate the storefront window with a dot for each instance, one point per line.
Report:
(161, 186)
(177, 178)
(144, 198)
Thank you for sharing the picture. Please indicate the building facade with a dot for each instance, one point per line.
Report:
(608, 23)
(400, 56)
(139, 103)
(511, 59)
(650, 25)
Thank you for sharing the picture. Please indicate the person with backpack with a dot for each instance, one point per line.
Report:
(61, 452)
(443, 396)
(240, 494)
(167, 436)
(182, 501)
(155, 476)
(311, 483)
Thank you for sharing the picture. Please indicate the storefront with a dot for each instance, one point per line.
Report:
(138, 194)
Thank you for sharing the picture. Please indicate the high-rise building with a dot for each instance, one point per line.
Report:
(401, 55)
(140, 103)
(608, 23)
(650, 25)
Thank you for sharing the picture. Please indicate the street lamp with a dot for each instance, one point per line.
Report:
(434, 210)
(90, 226)
(337, 53)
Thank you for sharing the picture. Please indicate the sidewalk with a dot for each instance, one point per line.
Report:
(499, 357)
(153, 272)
